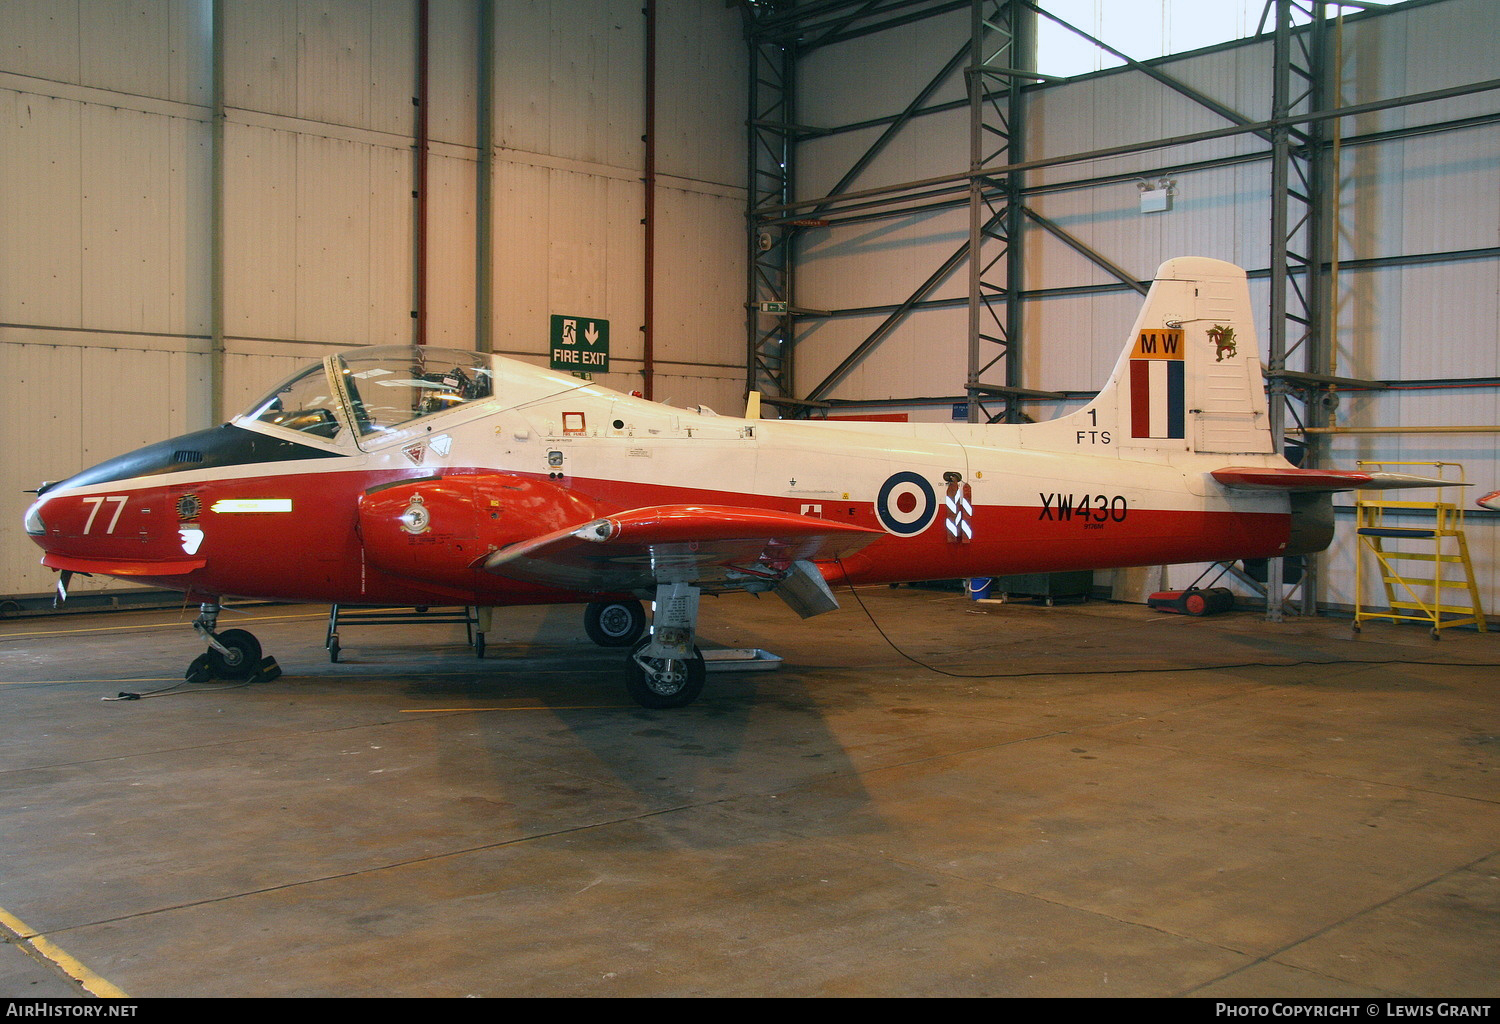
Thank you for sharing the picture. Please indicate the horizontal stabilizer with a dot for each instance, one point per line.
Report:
(718, 546)
(1289, 478)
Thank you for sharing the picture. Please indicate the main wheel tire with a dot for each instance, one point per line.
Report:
(673, 683)
(615, 623)
(243, 657)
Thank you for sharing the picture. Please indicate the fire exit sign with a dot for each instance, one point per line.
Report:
(580, 343)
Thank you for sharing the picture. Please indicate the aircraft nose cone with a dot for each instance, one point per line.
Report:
(33, 522)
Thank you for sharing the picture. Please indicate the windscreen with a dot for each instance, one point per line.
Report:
(304, 402)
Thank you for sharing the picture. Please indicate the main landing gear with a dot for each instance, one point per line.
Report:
(232, 655)
(615, 623)
(666, 670)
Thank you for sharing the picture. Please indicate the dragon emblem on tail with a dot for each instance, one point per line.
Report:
(1224, 342)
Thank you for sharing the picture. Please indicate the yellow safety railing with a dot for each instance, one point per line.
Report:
(1426, 536)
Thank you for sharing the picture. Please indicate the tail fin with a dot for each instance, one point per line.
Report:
(1189, 378)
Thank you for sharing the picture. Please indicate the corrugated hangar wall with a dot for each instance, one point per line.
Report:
(1418, 270)
(107, 197)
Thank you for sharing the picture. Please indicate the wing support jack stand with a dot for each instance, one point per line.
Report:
(666, 669)
(233, 654)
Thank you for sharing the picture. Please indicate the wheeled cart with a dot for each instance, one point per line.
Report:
(476, 621)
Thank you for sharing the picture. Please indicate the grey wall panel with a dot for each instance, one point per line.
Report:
(260, 232)
(1369, 175)
(146, 49)
(700, 75)
(41, 228)
(125, 201)
(453, 78)
(572, 243)
(32, 375)
(260, 56)
(389, 262)
(521, 233)
(356, 63)
(569, 80)
(340, 62)
(700, 311)
(142, 49)
(104, 225)
(451, 258)
(40, 40)
(578, 243)
(925, 148)
(1076, 340)
(1447, 191)
(334, 203)
(318, 238)
(1449, 318)
(1443, 46)
(918, 359)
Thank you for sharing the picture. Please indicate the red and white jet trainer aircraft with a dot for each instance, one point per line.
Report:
(422, 476)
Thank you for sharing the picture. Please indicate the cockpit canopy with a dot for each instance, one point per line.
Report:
(377, 390)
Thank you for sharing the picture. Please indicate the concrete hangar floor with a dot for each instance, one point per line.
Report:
(1101, 800)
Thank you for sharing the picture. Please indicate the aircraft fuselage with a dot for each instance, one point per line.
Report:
(950, 501)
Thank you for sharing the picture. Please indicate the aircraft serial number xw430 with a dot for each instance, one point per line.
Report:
(418, 476)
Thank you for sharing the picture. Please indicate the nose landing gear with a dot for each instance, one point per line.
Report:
(234, 654)
(666, 670)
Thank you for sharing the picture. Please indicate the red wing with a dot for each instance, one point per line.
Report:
(716, 546)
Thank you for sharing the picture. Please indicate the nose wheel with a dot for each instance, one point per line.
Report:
(233, 655)
(666, 670)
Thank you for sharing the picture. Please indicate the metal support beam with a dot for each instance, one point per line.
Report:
(484, 214)
(216, 290)
(423, 148)
(771, 150)
(1302, 220)
(1001, 55)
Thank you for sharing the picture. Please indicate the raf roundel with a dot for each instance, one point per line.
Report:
(906, 504)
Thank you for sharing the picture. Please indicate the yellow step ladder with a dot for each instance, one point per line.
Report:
(1428, 536)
